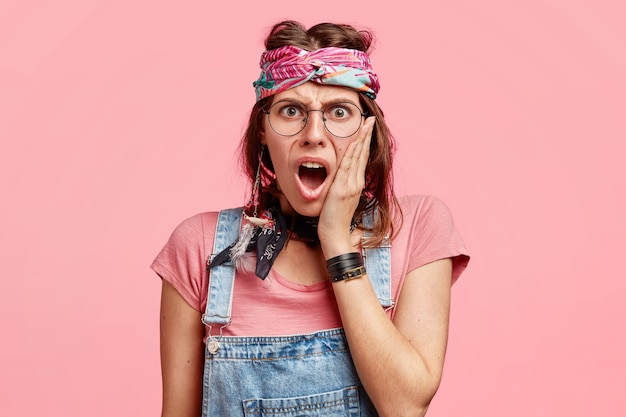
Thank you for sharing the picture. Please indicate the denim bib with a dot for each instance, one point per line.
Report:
(281, 376)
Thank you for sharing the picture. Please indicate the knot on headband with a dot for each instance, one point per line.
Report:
(289, 66)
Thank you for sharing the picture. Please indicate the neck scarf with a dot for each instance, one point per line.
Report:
(267, 235)
(289, 66)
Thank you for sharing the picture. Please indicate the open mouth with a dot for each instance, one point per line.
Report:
(312, 174)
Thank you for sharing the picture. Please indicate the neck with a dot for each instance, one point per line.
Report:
(303, 228)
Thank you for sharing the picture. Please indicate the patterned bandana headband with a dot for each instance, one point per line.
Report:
(289, 66)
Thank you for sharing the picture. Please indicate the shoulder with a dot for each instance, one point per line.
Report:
(429, 233)
(192, 228)
(424, 208)
(202, 223)
(199, 229)
(419, 200)
(426, 223)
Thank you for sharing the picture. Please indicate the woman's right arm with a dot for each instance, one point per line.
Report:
(182, 355)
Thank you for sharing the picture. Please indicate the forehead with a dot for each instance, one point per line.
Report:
(313, 93)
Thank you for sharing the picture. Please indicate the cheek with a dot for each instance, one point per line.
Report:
(278, 155)
(340, 150)
(342, 147)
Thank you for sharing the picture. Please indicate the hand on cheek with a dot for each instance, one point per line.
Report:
(344, 194)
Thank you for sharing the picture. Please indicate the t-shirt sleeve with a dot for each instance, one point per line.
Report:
(435, 236)
(182, 261)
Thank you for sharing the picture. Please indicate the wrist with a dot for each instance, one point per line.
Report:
(341, 241)
(336, 247)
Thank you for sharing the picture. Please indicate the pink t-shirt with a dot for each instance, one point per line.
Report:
(276, 306)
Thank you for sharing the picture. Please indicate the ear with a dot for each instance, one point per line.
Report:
(262, 138)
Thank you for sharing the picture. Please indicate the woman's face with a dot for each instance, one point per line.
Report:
(305, 164)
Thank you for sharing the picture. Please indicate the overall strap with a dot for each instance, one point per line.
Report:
(378, 265)
(222, 277)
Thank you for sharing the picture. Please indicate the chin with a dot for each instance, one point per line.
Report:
(301, 206)
(310, 212)
(312, 209)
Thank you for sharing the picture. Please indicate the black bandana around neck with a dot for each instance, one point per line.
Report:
(269, 238)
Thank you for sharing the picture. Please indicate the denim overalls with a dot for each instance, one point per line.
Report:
(280, 376)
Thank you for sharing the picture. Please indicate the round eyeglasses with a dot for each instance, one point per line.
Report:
(288, 118)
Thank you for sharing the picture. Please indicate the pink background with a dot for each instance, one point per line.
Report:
(118, 119)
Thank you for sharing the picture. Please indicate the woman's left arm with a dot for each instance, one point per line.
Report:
(400, 362)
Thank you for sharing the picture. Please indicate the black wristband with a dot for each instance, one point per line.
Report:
(349, 275)
(345, 266)
(340, 267)
(343, 258)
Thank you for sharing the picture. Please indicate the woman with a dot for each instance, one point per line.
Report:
(273, 309)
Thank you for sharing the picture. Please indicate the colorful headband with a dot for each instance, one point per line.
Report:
(289, 66)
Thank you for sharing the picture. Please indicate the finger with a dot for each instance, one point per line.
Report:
(365, 149)
(361, 150)
(351, 172)
(356, 158)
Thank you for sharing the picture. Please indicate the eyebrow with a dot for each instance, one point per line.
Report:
(324, 103)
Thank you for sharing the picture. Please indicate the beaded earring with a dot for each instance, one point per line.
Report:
(251, 223)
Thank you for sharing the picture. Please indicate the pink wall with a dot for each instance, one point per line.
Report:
(120, 118)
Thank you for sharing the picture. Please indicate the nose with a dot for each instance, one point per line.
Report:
(314, 133)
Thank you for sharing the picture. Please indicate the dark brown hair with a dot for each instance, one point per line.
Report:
(378, 191)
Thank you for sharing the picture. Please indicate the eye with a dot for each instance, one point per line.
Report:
(291, 111)
(341, 111)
